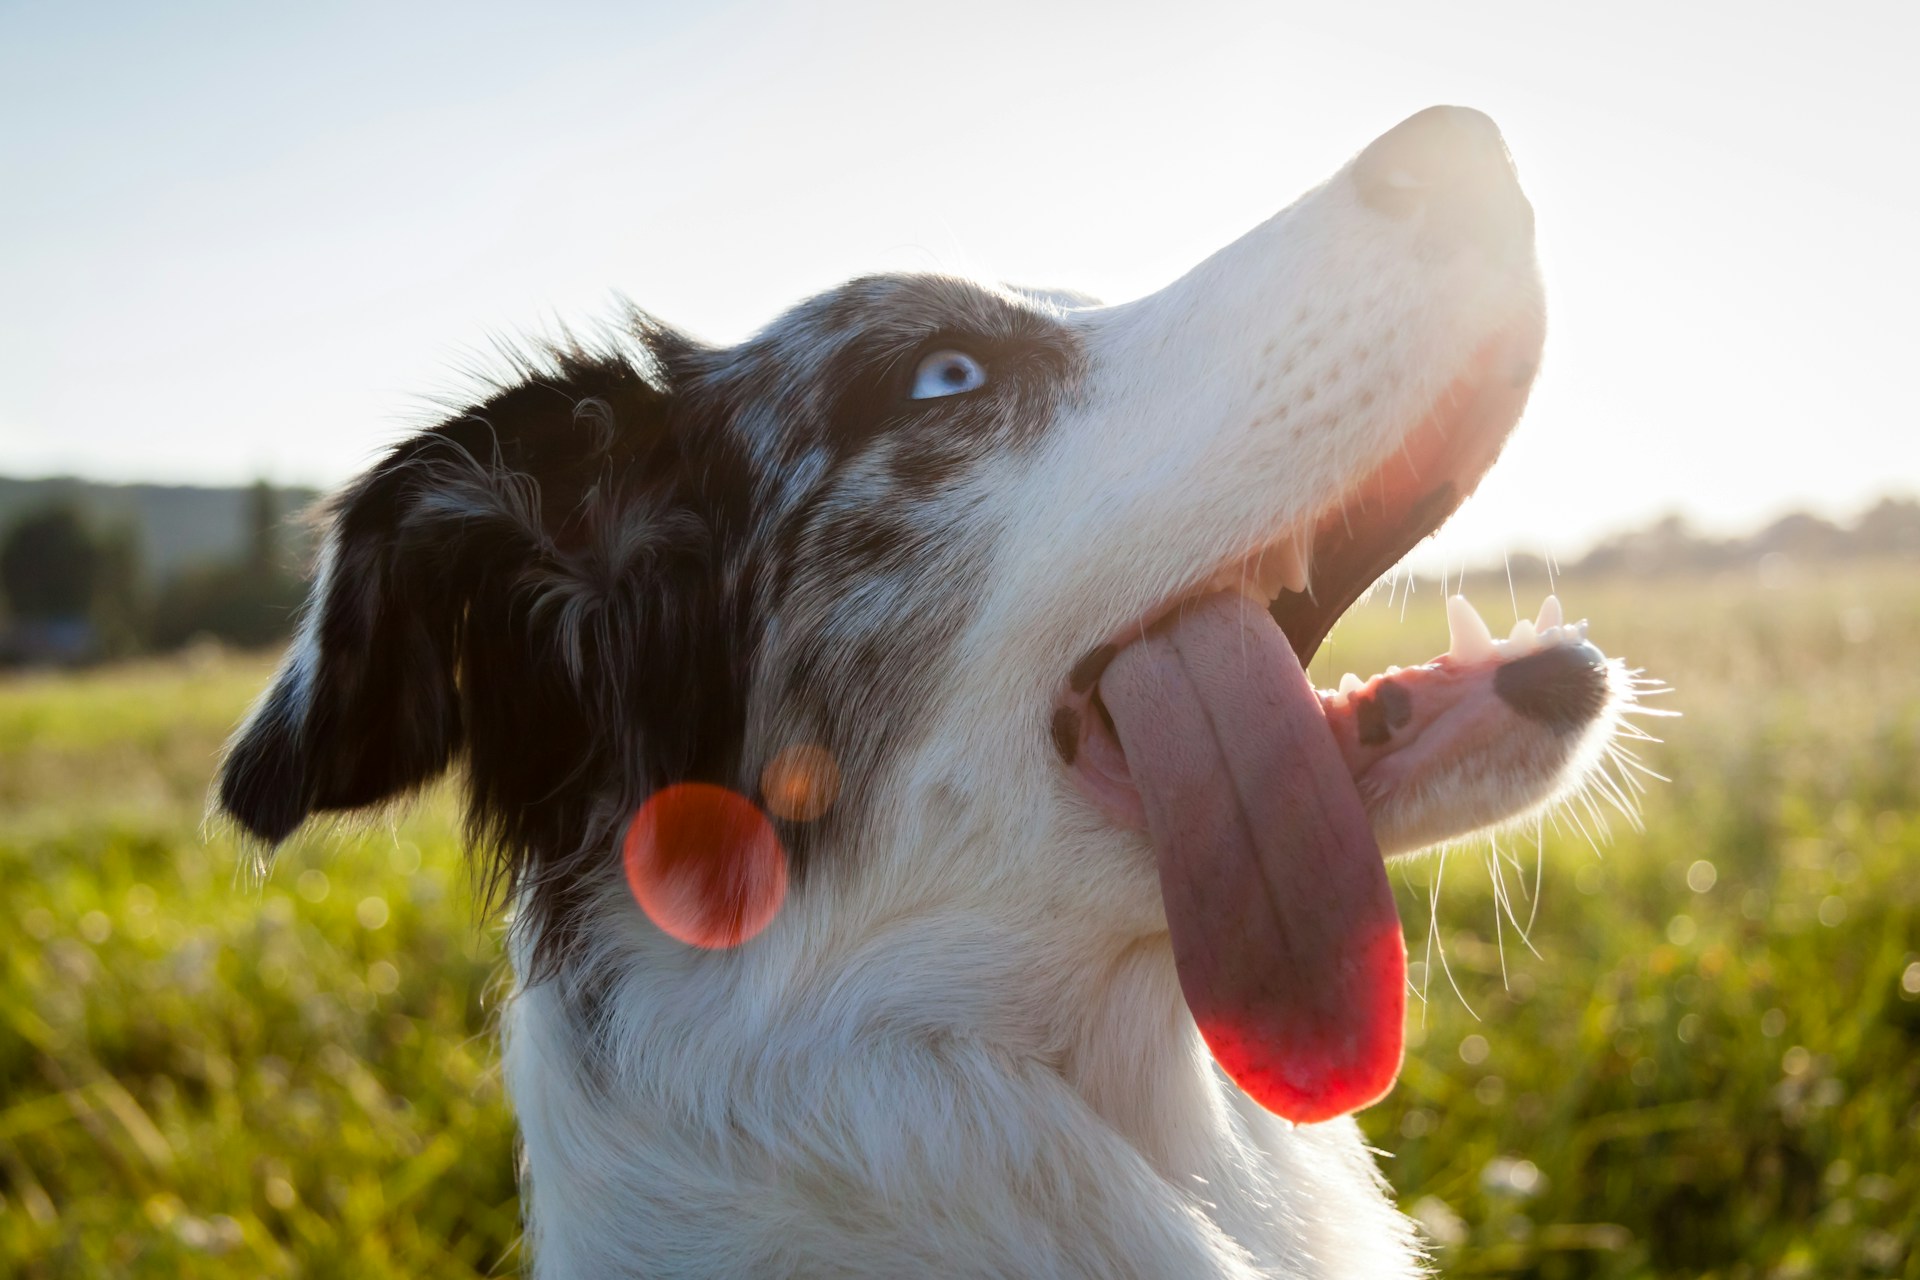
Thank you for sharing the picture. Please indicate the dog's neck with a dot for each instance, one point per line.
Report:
(1038, 983)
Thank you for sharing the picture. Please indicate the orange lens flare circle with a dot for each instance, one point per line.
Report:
(705, 865)
(800, 784)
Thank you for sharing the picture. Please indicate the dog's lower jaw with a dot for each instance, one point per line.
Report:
(1090, 1137)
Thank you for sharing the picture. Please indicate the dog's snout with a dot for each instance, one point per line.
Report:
(1451, 165)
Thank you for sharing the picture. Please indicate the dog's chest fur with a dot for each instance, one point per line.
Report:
(909, 1110)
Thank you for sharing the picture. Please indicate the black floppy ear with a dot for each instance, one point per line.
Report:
(365, 705)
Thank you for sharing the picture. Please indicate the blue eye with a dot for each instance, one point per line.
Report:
(947, 373)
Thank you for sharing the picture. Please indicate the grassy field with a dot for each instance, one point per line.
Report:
(1707, 1063)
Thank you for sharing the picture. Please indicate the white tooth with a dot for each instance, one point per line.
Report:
(1550, 615)
(1467, 636)
(1392, 672)
(1581, 627)
(1237, 578)
(1350, 683)
(1287, 562)
(1523, 637)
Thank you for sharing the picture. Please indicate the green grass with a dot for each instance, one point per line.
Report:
(202, 1077)
(1710, 1067)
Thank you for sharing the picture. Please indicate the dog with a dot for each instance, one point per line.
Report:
(1051, 935)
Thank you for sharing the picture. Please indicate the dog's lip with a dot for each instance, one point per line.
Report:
(1357, 538)
(1437, 465)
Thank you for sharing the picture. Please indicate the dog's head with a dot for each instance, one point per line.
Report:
(984, 557)
(660, 562)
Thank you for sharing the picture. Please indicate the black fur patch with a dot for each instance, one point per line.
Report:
(651, 563)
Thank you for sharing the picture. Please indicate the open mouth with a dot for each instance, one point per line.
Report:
(1269, 803)
(1308, 577)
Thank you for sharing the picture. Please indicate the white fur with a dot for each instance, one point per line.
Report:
(964, 1052)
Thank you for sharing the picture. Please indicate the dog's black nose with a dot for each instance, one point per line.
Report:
(1451, 164)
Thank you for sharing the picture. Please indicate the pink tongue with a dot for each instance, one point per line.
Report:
(1284, 928)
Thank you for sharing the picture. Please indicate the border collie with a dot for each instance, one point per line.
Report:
(1036, 922)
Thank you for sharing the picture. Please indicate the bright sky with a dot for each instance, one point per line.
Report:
(246, 239)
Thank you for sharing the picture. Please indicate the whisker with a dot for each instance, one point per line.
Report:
(1445, 967)
(1539, 874)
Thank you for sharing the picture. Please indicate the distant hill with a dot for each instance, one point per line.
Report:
(1890, 529)
(175, 526)
(182, 527)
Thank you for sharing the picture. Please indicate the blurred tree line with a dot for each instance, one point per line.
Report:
(1890, 529)
(72, 590)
